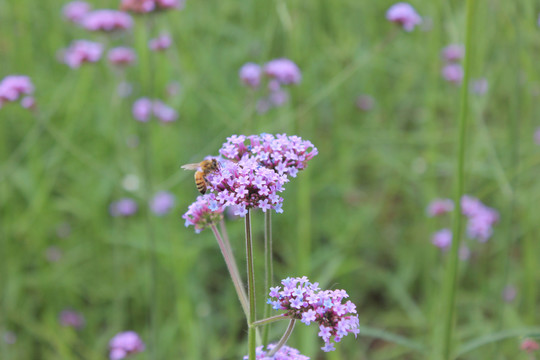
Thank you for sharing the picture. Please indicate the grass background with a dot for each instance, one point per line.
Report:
(355, 219)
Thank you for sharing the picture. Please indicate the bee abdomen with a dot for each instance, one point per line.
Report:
(200, 182)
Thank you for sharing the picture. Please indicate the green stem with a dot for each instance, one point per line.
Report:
(270, 320)
(251, 287)
(450, 280)
(233, 270)
(268, 266)
(283, 339)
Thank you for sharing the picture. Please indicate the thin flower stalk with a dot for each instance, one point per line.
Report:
(233, 270)
(283, 339)
(268, 265)
(270, 320)
(251, 287)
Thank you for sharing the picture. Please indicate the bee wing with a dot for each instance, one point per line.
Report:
(191, 166)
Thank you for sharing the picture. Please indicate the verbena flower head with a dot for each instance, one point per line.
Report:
(306, 302)
(285, 353)
(529, 345)
(162, 42)
(121, 55)
(204, 212)
(162, 203)
(442, 239)
(479, 86)
(164, 112)
(12, 87)
(481, 218)
(142, 109)
(246, 185)
(123, 207)
(107, 20)
(72, 319)
(75, 11)
(453, 52)
(124, 344)
(365, 102)
(146, 6)
(439, 207)
(82, 51)
(250, 74)
(284, 154)
(404, 14)
(453, 73)
(28, 102)
(283, 70)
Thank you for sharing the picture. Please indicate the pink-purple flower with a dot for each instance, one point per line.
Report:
(13, 87)
(82, 51)
(162, 42)
(204, 212)
(123, 207)
(121, 55)
(442, 239)
(304, 301)
(72, 319)
(283, 70)
(453, 73)
(453, 52)
(284, 154)
(107, 20)
(124, 344)
(404, 14)
(365, 102)
(481, 218)
(250, 74)
(164, 112)
(479, 86)
(146, 6)
(162, 203)
(75, 11)
(439, 207)
(142, 109)
(284, 353)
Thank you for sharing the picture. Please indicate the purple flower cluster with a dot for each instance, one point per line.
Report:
(442, 239)
(75, 11)
(146, 6)
(124, 344)
(452, 71)
(404, 14)
(123, 207)
(13, 87)
(106, 20)
(479, 86)
(162, 42)
(82, 51)
(284, 353)
(121, 56)
(72, 319)
(284, 154)
(481, 218)
(306, 302)
(203, 213)
(453, 53)
(246, 185)
(439, 207)
(278, 72)
(162, 203)
(143, 109)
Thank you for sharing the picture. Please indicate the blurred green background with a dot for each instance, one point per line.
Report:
(355, 219)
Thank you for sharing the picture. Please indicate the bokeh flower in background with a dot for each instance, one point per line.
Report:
(162, 203)
(481, 218)
(124, 344)
(442, 239)
(365, 102)
(479, 86)
(404, 14)
(9, 337)
(204, 212)
(123, 207)
(164, 112)
(284, 353)
(75, 11)
(162, 42)
(306, 302)
(121, 56)
(439, 207)
(82, 51)
(453, 73)
(146, 6)
(142, 109)
(529, 345)
(283, 70)
(72, 319)
(509, 293)
(537, 136)
(250, 75)
(53, 254)
(107, 20)
(453, 52)
(12, 87)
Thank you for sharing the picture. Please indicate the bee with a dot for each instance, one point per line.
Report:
(202, 169)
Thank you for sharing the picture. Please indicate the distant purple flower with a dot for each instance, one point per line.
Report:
(75, 11)
(163, 112)
(12, 87)
(123, 207)
(284, 353)
(509, 293)
(138, 6)
(82, 51)
(439, 207)
(162, 203)
(537, 136)
(28, 102)
(121, 56)
(304, 301)
(403, 14)
(453, 73)
(142, 109)
(250, 74)
(162, 42)
(442, 239)
(124, 89)
(72, 319)
(124, 344)
(203, 213)
(365, 102)
(453, 52)
(464, 253)
(53, 254)
(282, 153)
(529, 345)
(9, 337)
(170, 4)
(173, 88)
(283, 70)
(479, 86)
(481, 218)
(278, 98)
(107, 20)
